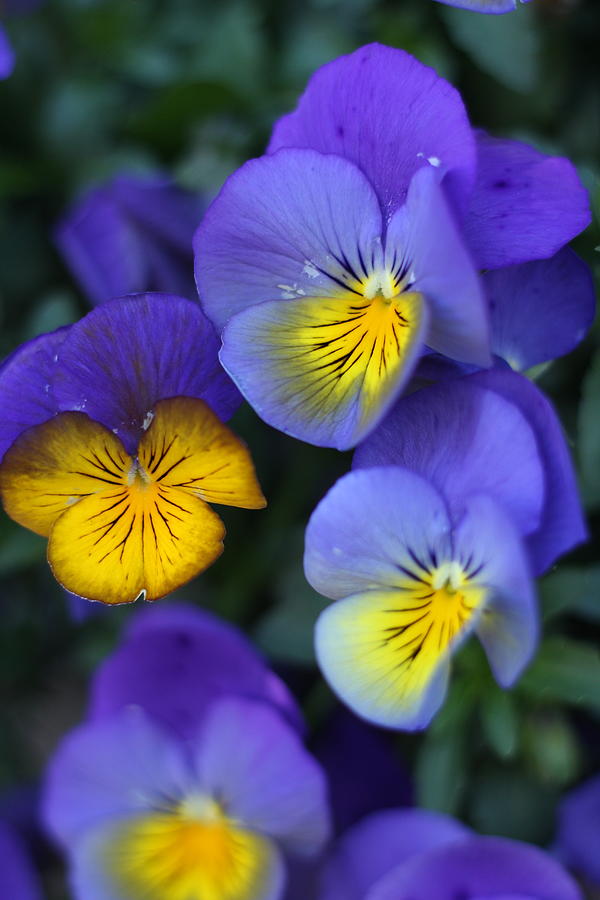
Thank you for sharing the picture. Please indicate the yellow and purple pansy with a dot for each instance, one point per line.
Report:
(113, 446)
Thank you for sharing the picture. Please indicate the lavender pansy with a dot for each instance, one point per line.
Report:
(7, 55)
(495, 433)
(142, 815)
(115, 445)
(132, 234)
(413, 577)
(175, 661)
(17, 878)
(578, 830)
(493, 7)
(327, 304)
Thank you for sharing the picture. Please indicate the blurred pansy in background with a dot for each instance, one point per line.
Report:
(417, 854)
(18, 880)
(495, 7)
(412, 577)
(130, 235)
(331, 263)
(127, 447)
(578, 831)
(7, 56)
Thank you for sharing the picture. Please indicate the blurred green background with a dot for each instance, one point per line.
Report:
(193, 87)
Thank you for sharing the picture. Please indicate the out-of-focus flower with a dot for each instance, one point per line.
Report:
(127, 447)
(413, 577)
(142, 815)
(578, 835)
(133, 234)
(331, 263)
(495, 433)
(493, 7)
(7, 56)
(175, 661)
(421, 855)
(18, 880)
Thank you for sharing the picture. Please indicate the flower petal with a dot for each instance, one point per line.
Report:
(389, 114)
(485, 6)
(424, 232)
(525, 206)
(126, 355)
(540, 310)
(326, 369)
(265, 778)
(7, 55)
(18, 880)
(286, 226)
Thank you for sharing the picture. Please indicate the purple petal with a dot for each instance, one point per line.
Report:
(424, 230)
(107, 769)
(399, 512)
(26, 396)
(508, 624)
(175, 662)
(389, 114)
(379, 844)
(465, 440)
(478, 867)
(127, 354)
(252, 760)
(7, 55)
(540, 310)
(525, 206)
(562, 525)
(18, 880)
(578, 834)
(494, 7)
(157, 205)
(291, 225)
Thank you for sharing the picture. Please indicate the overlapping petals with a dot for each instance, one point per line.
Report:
(412, 581)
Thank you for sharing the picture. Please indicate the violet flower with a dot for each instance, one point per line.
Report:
(132, 234)
(113, 446)
(143, 815)
(18, 881)
(331, 264)
(578, 832)
(492, 7)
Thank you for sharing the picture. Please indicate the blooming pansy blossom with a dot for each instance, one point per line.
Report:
(174, 661)
(7, 56)
(114, 446)
(133, 233)
(494, 7)
(578, 831)
(416, 854)
(18, 880)
(144, 816)
(490, 432)
(412, 578)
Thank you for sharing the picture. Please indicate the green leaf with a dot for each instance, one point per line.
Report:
(589, 434)
(19, 548)
(441, 771)
(564, 671)
(509, 803)
(572, 589)
(506, 47)
(551, 748)
(500, 723)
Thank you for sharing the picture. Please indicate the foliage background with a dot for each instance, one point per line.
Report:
(192, 87)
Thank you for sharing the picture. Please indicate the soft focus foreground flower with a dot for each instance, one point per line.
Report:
(578, 834)
(174, 661)
(7, 56)
(495, 7)
(142, 815)
(331, 263)
(17, 878)
(132, 234)
(126, 450)
(414, 854)
(495, 433)
(413, 577)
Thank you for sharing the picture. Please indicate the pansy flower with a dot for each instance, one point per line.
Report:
(490, 432)
(578, 833)
(330, 264)
(144, 816)
(18, 881)
(493, 7)
(412, 577)
(132, 234)
(416, 854)
(113, 447)
(7, 55)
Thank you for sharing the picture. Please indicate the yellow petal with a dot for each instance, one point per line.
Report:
(164, 857)
(54, 465)
(189, 448)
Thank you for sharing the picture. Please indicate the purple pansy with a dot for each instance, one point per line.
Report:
(143, 815)
(175, 661)
(490, 432)
(17, 878)
(331, 263)
(413, 575)
(132, 234)
(113, 445)
(493, 7)
(414, 854)
(7, 55)
(578, 834)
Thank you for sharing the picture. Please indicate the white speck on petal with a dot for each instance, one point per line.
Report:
(147, 420)
(434, 161)
(310, 269)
